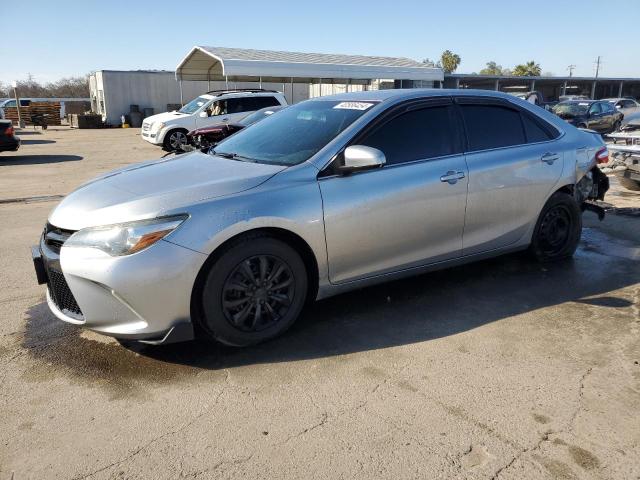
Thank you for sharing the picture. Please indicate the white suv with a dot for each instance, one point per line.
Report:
(170, 129)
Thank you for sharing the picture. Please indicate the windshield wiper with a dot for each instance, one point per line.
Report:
(233, 156)
(228, 155)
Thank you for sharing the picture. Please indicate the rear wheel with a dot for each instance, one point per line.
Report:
(175, 140)
(558, 229)
(616, 126)
(254, 291)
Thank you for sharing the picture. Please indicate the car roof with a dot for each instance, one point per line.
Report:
(409, 93)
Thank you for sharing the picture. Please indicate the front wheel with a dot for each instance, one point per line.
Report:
(254, 291)
(558, 229)
(175, 140)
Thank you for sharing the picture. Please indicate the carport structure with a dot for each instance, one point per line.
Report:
(344, 72)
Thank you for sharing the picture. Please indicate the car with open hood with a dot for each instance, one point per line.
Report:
(597, 115)
(329, 195)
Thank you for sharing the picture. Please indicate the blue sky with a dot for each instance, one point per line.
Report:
(75, 37)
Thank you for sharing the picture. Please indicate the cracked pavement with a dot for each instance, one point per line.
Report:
(504, 369)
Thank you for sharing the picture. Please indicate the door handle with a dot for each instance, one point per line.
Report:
(452, 177)
(549, 158)
(226, 119)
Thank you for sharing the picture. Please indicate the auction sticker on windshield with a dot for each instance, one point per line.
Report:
(353, 105)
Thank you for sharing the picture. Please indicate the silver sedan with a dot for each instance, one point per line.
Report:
(329, 195)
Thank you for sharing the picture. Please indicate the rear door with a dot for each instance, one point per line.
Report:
(514, 162)
(408, 213)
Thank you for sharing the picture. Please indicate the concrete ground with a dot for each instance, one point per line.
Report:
(505, 369)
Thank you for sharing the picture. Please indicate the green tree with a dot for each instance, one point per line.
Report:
(529, 69)
(449, 61)
(492, 68)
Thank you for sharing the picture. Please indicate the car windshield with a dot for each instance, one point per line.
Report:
(257, 116)
(194, 105)
(295, 134)
(572, 108)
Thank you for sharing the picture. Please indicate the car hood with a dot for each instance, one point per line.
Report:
(157, 188)
(570, 116)
(165, 117)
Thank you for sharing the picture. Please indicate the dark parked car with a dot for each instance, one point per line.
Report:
(206, 137)
(597, 115)
(8, 140)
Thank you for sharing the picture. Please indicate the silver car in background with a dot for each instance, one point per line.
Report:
(329, 195)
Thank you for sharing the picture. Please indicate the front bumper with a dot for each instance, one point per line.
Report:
(156, 137)
(145, 296)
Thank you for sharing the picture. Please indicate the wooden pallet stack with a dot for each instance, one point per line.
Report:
(50, 109)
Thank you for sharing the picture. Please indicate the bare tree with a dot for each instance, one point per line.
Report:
(70, 87)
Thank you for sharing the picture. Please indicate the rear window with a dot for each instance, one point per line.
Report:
(534, 131)
(492, 126)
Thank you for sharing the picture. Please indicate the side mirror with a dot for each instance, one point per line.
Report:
(360, 157)
(204, 114)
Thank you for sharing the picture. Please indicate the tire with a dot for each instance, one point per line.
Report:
(616, 126)
(173, 139)
(558, 229)
(582, 125)
(237, 307)
(629, 183)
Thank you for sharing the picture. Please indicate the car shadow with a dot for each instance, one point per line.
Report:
(36, 159)
(418, 309)
(28, 141)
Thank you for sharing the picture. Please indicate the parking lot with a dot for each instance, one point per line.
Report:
(500, 369)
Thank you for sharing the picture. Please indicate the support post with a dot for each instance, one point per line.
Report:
(593, 89)
(457, 83)
(497, 85)
(291, 81)
(226, 82)
(532, 86)
(260, 79)
(564, 88)
(15, 93)
(181, 97)
(620, 89)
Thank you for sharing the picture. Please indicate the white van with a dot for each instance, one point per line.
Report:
(170, 129)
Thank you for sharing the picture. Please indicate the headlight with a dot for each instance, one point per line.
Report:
(125, 238)
(160, 126)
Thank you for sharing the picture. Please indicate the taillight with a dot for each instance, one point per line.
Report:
(603, 155)
(9, 131)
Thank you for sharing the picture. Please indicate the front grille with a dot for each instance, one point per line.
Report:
(145, 126)
(61, 294)
(55, 237)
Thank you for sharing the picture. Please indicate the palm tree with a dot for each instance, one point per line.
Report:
(529, 69)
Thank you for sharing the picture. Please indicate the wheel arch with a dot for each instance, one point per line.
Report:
(287, 236)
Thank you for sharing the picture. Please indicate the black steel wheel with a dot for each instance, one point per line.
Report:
(253, 290)
(558, 228)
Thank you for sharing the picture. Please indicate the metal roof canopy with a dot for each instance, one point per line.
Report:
(214, 63)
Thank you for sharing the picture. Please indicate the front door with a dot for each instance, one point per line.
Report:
(221, 111)
(408, 213)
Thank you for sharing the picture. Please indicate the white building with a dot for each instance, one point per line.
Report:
(298, 75)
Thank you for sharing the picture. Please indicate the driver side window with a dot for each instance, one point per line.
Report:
(217, 108)
(595, 108)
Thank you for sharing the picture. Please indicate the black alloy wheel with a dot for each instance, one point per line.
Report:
(258, 293)
(252, 290)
